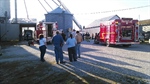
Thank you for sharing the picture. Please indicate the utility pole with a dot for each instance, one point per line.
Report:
(16, 21)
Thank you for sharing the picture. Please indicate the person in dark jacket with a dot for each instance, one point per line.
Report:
(63, 35)
(58, 42)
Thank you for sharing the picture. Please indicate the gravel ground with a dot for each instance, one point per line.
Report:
(114, 65)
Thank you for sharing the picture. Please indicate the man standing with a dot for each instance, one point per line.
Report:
(79, 40)
(58, 43)
(63, 35)
(73, 33)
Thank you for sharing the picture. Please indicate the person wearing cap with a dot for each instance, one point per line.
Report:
(63, 35)
(58, 42)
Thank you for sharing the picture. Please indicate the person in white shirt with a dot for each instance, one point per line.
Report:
(71, 42)
(73, 33)
(42, 46)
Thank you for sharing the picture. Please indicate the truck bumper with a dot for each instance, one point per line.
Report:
(120, 43)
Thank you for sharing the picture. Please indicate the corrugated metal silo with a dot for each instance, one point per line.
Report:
(63, 18)
(4, 6)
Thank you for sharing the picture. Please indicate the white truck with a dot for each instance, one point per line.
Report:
(48, 29)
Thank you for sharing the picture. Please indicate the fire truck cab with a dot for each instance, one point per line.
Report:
(122, 31)
(48, 29)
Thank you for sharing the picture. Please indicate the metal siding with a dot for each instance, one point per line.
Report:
(68, 21)
(4, 6)
(62, 17)
(12, 34)
(55, 18)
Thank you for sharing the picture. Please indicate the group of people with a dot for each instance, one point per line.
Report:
(87, 37)
(73, 42)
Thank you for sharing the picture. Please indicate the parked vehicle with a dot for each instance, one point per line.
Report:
(28, 35)
(147, 35)
(118, 32)
(141, 38)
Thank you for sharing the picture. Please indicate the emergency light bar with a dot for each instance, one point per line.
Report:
(127, 18)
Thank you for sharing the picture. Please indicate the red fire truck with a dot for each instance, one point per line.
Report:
(122, 31)
(48, 29)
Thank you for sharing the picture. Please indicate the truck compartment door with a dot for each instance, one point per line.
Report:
(127, 33)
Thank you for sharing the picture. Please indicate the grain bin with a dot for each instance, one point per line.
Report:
(62, 17)
(4, 9)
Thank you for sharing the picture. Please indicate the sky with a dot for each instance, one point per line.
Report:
(85, 11)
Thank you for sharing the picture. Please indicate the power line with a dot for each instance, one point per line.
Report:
(48, 4)
(113, 10)
(26, 9)
(43, 6)
(56, 3)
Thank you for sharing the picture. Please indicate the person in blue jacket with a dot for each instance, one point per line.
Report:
(58, 42)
